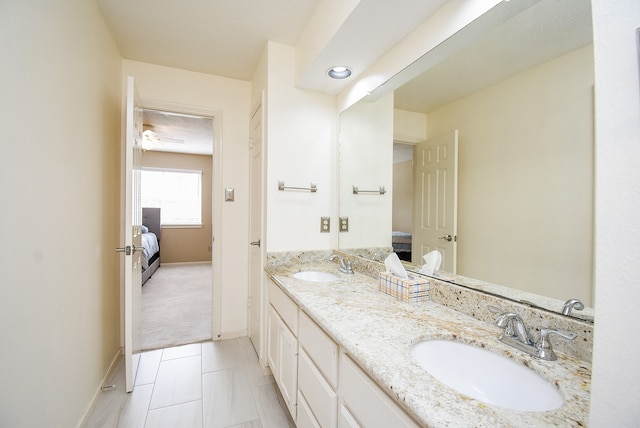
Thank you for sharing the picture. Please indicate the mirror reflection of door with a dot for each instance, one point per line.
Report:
(435, 202)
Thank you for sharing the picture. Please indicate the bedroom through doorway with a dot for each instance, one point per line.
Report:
(177, 178)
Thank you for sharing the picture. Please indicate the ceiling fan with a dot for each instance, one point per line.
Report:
(151, 140)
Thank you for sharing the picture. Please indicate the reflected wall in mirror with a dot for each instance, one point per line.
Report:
(520, 95)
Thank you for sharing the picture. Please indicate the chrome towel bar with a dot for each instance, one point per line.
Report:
(313, 188)
(356, 191)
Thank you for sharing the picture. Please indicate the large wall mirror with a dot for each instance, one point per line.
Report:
(515, 90)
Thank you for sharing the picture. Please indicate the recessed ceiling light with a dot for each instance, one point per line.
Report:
(339, 72)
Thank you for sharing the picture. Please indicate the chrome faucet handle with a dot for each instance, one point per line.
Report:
(504, 319)
(514, 327)
(545, 351)
(572, 304)
(335, 256)
(345, 267)
(349, 266)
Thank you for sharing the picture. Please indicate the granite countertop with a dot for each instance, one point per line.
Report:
(377, 331)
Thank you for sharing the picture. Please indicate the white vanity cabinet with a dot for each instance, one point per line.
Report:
(321, 385)
(282, 348)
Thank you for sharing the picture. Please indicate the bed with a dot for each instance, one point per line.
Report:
(150, 242)
(401, 243)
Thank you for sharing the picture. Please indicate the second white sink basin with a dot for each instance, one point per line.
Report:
(486, 376)
(315, 276)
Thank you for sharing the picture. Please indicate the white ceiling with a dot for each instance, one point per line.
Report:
(220, 37)
(227, 37)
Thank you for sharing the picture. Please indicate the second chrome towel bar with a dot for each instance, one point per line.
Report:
(380, 191)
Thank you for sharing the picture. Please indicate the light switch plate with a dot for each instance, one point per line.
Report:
(325, 224)
(229, 194)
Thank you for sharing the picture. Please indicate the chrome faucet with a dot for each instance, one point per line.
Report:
(345, 267)
(572, 304)
(516, 334)
(514, 328)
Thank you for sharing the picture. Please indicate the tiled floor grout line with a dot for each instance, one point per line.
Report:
(155, 378)
(236, 356)
(202, 372)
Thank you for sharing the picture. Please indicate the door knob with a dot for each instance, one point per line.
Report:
(129, 249)
(126, 250)
(447, 238)
(257, 243)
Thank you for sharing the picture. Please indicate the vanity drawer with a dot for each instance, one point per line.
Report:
(305, 418)
(320, 397)
(286, 308)
(346, 419)
(366, 401)
(320, 348)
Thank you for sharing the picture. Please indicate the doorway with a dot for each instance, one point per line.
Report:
(402, 203)
(178, 304)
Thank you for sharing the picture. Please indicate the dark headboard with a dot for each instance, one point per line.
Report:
(151, 219)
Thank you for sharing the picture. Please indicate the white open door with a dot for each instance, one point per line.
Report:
(256, 315)
(132, 232)
(436, 199)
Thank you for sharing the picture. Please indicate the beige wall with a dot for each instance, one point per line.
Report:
(181, 245)
(59, 187)
(525, 189)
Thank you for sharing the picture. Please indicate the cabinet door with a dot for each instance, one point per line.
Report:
(288, 366)
(272, 340)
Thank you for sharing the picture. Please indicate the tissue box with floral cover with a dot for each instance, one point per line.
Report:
(414, 289)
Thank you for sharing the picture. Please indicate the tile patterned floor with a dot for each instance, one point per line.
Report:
(202, 385)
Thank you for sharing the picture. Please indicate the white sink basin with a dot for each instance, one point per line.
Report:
(315, 276)
(486, 376)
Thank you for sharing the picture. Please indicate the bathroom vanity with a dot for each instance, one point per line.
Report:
(340, 351)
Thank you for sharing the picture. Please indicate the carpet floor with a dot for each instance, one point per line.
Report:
(176, 306)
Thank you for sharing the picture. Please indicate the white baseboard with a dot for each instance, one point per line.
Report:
(184, 263)
(233, 334)
(94, 399)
